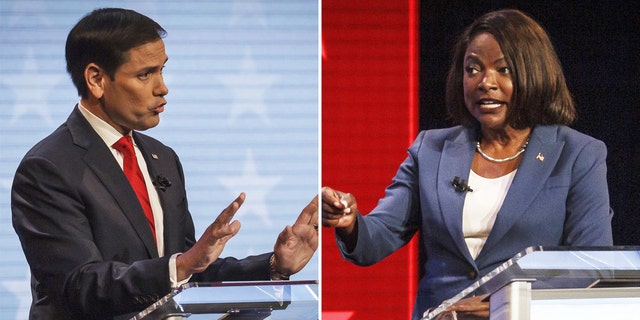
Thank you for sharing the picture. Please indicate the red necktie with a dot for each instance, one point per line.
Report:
(134, 175)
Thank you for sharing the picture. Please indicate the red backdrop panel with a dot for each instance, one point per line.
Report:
(369, 81)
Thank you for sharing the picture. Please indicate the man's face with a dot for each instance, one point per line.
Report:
(134, 98)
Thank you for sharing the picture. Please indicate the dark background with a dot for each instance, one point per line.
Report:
(598, 45)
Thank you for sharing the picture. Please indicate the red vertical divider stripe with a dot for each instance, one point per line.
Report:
(369, 113)
(414, 58)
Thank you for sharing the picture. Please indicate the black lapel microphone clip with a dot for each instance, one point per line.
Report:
(460, 185)
(162, 183)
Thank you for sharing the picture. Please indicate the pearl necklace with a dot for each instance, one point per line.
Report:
(492, 159)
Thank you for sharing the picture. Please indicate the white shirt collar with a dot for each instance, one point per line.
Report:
(108, 133)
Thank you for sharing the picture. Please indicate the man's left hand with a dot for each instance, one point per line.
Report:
(296, 244)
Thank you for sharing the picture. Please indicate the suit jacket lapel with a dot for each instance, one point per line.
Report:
(456, 159)
(100, 160)
(541, 156)
(154, 166)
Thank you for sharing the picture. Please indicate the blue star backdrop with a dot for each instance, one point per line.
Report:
(242, 111)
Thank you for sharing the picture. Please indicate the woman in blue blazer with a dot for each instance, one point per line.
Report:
(509, 176)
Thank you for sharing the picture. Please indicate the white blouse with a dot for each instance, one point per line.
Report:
(481, 208)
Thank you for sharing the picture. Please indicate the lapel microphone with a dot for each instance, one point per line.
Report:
(460, 185)
(162, 183)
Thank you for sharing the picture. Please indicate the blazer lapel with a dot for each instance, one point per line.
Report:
(100, 160)
(541, 156)
(456, 159)
(154, 166)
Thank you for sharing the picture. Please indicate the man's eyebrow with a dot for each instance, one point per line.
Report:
(154, 68)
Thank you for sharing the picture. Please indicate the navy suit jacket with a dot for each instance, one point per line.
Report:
(559, 197)
(85, 236)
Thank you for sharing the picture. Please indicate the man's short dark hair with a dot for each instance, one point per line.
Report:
(103, 37)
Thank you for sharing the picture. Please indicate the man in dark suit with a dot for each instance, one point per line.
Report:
(99, 245)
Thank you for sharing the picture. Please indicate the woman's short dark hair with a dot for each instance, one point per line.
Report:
(103, 37)
(540, 93)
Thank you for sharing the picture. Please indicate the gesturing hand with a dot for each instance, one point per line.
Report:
(338, 209)
(211, 243)
(296, 244)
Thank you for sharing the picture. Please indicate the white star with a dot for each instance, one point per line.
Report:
(31, 89)
(255, 186)
(248, 88)
(251, 12)
(29, 11)
(21, 289)
(5, 183)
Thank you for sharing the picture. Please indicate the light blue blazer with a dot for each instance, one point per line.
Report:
(559, 197)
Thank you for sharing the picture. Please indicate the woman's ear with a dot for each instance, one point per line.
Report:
(95, 79)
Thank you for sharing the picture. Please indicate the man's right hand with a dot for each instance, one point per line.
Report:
(210, 245)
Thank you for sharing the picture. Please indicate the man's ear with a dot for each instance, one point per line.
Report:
(95, 78)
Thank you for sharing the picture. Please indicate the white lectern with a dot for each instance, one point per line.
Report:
(252, 300)
(560, 283)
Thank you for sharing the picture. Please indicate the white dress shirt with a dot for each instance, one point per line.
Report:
(481, 208)
(110, 136)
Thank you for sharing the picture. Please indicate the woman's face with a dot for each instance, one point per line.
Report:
(487, 82)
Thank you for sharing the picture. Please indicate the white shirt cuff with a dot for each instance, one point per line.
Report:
(173, 272)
